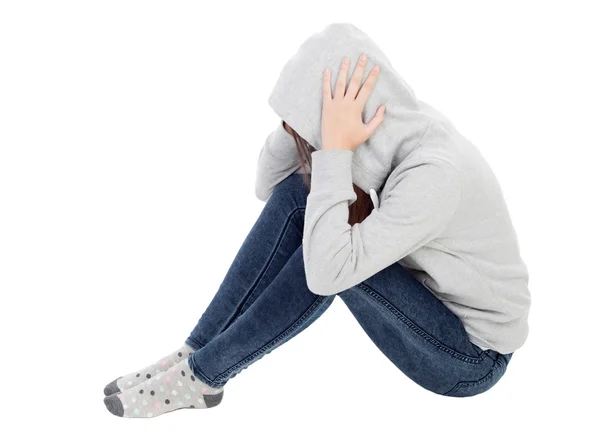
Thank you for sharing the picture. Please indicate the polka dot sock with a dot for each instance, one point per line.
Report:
(137, 377)
(176, 388)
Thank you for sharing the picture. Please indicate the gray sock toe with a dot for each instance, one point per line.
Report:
(112, 388)
(213, 400)
(114, 405)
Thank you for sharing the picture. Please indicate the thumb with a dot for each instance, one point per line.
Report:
(376, 120)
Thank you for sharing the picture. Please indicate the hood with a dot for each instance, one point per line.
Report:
(297, 99)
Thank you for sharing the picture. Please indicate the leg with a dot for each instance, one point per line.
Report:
(284, 309)
(275, 236)
(421, 336)
(263, 302)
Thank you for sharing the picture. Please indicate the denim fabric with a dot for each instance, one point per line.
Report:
(264, 301)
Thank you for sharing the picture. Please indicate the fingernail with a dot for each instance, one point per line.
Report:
(376, 68)
(346, 60)
(363, 57)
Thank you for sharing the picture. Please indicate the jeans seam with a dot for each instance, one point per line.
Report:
(271, 258)
(418, 330)
(265, 347)
(263, 271)
(474, 383)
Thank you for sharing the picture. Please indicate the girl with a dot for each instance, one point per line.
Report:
(402, 218)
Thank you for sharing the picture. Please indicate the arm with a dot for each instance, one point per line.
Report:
(277, 160)
(421, 201)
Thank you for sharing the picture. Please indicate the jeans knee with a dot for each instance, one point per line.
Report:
(291, 192)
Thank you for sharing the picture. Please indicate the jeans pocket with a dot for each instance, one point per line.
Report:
(471, 388)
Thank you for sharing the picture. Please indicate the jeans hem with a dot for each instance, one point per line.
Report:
(196, 370)
(194, 344)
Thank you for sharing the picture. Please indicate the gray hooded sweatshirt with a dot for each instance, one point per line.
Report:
(439, 210)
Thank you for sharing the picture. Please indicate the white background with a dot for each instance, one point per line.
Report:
(129, 135)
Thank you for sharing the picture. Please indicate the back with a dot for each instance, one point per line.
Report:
(474, 266)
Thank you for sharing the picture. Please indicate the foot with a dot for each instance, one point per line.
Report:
(133, 379)
(177, 388)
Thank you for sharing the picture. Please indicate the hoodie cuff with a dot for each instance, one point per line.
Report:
(331, 170)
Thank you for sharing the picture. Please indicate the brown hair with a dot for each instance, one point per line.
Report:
(359, 209)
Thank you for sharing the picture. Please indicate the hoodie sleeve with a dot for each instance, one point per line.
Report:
(277, 160)
(421, 201)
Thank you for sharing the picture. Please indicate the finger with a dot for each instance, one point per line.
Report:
(356, 77)
(376, 120)
(340, 86)
(367, 87)
(327, 85)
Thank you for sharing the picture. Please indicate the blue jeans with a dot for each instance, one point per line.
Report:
(264, 301)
